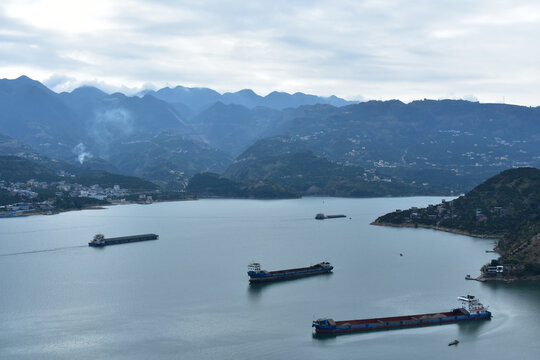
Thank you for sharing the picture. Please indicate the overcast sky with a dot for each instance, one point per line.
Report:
(380, 49)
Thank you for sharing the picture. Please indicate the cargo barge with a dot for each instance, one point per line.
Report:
(256, 275)
(321, 216)
(100, 240)
(469, 309)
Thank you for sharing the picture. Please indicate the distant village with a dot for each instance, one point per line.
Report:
(445, 211)
(436, 214)
(29, 202)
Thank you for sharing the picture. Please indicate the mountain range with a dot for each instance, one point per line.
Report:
(189, 101)
(169, 135)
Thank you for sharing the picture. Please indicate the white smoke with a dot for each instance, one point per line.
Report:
(82, 154)
(109, 126)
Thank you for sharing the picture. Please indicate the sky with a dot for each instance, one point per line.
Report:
(382, 49)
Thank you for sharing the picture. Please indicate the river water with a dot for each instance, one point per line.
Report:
(186, 295)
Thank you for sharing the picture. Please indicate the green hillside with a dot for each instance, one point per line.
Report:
(17, 169)
(505, 206)
(214, 185)
(308, 174)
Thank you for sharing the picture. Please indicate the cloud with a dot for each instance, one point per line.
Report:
(378, 49)
(58, 82)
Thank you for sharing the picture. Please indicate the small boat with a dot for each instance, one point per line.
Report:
(455, 342)
(468, 277)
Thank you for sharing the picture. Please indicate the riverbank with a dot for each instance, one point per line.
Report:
(450, 230)
(481, 278)
(508, 279)
(88, 207)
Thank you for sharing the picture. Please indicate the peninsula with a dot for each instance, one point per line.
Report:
(506, 207)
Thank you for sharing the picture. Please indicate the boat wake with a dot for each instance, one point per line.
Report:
(44, 250)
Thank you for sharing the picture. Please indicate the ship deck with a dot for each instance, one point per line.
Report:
(396, 319)
(130, 237)
(278, 272)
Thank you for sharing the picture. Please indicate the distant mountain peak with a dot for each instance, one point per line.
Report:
(87, 90)
(199, 98)
(25, 81)
(275, 92)
(23, 78)
(246, 91)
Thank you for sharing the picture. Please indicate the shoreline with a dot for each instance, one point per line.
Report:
(432, 227)
(90, 207)
(481, 278)
(508, 280)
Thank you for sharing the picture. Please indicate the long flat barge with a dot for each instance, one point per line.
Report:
(470, 309)
(256, 275)
(100, 240)
(321, 216)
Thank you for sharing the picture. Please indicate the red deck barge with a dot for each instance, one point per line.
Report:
(470, 309)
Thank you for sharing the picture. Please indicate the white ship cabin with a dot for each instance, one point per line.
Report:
(254, 266)
(471, 304)
(325, 264)
(98, 239)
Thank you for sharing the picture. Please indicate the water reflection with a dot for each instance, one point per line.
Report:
(324, 337)
(471, 328)
(256, 289)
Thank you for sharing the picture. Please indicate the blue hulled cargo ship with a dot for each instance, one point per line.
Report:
(256, 275)
(100, 240)
(469, 309)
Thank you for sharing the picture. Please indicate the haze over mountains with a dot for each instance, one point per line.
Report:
(168, 135)
(189, 101)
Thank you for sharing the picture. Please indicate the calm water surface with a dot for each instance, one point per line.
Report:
(186, 295)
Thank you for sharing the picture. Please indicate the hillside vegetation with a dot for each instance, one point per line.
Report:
(308, 174)
(17, 169)
(505, 206)
(215, 185)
